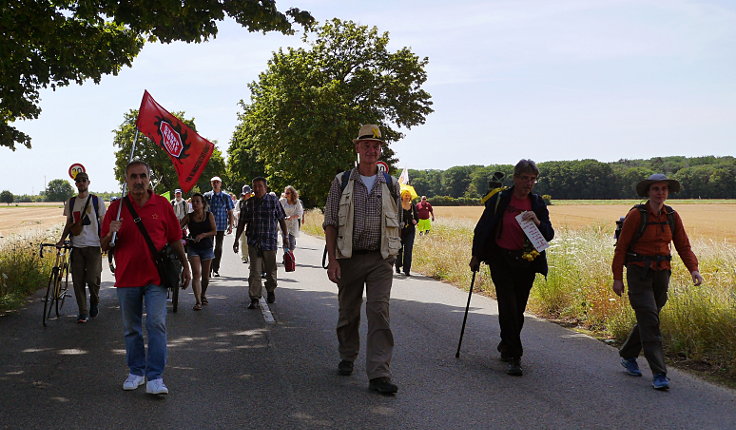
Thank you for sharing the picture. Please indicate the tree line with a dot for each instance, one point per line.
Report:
(701, 177)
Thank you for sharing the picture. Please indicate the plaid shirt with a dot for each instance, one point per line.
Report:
(219, 204)
(367, 208)
(262, 216)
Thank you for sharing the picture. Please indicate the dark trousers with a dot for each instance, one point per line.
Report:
(86, 266)
(647, 295)
(218, 251)
(512, 293)
(407, 247)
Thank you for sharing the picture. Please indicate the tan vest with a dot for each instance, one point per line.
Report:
(390, 226)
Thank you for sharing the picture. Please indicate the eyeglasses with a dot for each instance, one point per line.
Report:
(80, 180)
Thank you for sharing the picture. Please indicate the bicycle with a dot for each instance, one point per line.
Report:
(58, 285)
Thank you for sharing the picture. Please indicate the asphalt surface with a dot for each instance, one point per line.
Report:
(229, 368)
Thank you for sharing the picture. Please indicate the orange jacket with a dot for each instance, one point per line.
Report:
(654, 241)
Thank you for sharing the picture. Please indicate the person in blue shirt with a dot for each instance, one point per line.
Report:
(221, 205)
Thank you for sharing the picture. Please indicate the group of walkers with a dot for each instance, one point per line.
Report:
(370, 228)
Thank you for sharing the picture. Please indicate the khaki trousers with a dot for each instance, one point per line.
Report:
(86, 267)
(376, 274)
(266, 262)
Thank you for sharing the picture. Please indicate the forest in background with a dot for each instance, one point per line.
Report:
(706, 177)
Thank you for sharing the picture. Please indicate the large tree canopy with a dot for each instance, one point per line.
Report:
(163, 176)
(308, 105)
(53, 43)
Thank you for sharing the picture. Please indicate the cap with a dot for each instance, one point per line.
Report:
(246, 189)
(178, 190)
(215, 178)
(80, 176)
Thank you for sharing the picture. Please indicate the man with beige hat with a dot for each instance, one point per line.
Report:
(363, 238)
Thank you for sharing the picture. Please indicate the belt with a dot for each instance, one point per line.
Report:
(363, 251)
(630, 256)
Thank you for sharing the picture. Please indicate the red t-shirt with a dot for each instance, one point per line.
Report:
(134, 265)
(512, 236)
(423, 209)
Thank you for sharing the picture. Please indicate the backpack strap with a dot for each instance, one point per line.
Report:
(388, 178)
(643, 223)
(95, 204)
(71, 207)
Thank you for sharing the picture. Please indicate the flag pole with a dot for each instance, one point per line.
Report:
(125, 185)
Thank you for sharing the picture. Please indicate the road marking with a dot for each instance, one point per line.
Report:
(266, 311)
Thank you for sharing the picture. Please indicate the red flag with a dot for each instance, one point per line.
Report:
(188, 151)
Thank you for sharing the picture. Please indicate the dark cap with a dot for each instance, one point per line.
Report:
(80, 176)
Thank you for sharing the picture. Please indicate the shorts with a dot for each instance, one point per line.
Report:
(424, 225)
(203, 254)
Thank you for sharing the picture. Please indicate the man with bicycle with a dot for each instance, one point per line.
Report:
(137, 278)
(83, 215)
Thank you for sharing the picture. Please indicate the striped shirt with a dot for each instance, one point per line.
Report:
(367, 208)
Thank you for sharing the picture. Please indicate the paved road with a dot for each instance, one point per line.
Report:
(229, 368)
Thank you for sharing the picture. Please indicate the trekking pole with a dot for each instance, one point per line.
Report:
(462, 330)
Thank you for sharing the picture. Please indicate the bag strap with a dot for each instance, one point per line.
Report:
(139, 222)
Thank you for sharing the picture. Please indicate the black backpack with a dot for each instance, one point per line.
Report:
(389, 182)
(643, 224)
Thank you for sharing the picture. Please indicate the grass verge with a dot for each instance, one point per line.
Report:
(22, 271)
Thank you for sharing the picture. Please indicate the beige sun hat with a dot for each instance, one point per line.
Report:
(642, 188)
(369, 132)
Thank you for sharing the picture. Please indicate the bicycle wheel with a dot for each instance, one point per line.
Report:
(175, 299)
(49, 298)
(63, 287)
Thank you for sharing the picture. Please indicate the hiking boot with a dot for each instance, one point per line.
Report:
(94, 310)
(271, 297)
(82, 319)
(156, 386)
(345, 368)
(632, 368)
(660, 382)
(514, 367)
(133, 381)
(383, 385)
(253, 304)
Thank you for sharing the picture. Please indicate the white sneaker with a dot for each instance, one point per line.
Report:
(133, 381)
(156, 386)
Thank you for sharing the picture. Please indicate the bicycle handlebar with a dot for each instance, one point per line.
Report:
(67, 245)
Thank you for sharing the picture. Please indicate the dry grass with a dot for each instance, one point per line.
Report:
(705, 220)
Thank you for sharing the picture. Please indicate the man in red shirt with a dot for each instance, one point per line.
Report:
(136, 277)
(424, 209)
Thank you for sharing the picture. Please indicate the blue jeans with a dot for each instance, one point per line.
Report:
(131, 308)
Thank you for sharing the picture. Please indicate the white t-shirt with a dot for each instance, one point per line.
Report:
(90, 233)
(369, 181)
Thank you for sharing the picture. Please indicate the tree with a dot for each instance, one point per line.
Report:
(51, 44)
(308, 105)
(58, 190)
(6, 197)
(163, 175)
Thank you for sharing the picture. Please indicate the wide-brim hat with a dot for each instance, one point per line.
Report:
(642, 188)
(369, 132)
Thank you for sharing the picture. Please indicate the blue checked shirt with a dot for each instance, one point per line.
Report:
(262, 216)
(220, 203)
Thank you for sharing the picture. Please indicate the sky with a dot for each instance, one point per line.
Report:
(509, 79)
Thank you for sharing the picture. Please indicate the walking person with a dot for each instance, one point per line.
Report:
(294, 212)
(362, 238)
(425, 210)
(221, 205)
(644, 248)
(263, 215)
(137, 278)
(499, 241)
(409, 219)
(245, 194)
(202, 229)
(179, 204)
(83, 213)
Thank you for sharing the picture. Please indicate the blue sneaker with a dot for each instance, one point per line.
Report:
(660, 382)
(631, 367)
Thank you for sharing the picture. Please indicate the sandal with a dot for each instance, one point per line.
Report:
(197, 307)
(204, 300)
